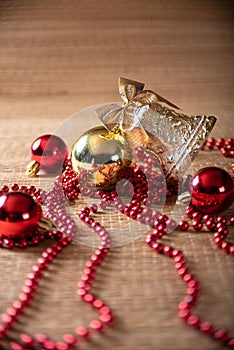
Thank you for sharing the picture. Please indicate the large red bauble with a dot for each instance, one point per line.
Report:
(50, 152)
(212, 190)
(19, 214)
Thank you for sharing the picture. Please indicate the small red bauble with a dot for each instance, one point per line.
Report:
(50, 152)
(212, 190)
(19, 214)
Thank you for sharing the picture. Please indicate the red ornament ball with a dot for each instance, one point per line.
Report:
(212, 190)
(50, 152)
(19, 214)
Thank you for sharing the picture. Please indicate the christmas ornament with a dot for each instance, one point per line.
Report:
(100, 156)
(158, 125)
(147, 128)
(19, 213)
(145, 120)
(29, 209)
(212, 190)
(48, 153)
(29, 213)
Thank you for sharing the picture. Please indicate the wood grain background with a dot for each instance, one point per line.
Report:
(57, 57)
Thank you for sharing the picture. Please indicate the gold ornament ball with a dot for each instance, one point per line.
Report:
(98, 156)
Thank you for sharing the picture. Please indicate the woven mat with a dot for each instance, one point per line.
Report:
(59, 57)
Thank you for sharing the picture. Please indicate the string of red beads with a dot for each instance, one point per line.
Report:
(54, 200)
(226, 147)
(159, 222)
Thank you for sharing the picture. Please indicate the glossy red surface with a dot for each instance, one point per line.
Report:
(50, 152)
(212, 190)
(19, 214)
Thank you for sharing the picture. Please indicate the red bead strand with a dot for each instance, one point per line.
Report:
(54, 200)
(193, 289)
(67, 187)
(226, 147)
(218, 226)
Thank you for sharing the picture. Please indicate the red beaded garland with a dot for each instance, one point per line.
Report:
(54, 200)
(136, 210)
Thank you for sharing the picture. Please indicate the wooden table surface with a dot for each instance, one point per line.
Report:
(57, 57)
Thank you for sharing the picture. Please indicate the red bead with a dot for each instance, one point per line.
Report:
(157, 247)
(210, 225)
(61, 346)
(207, 217)
(7, 319)
(167, 250)
(184, 313)
(8, 243)
(41, 338)
(225, 246)
(18, 213)
(231, 343)
(212, 190)
(189, 212)
(26, 339)
(88, 298)
(197, 225)
(82, 332)
(183, 225)
(211, 140)
(104, 310)
(197, 216)
(210, 145)
(207, 328)
(11, 312)
(194, 321)
(222, 335)
(231, 250)
(221, 219)
(3, 331)
(15, 187)
(69, 339)
(224, 152)
(50, 152)
(220, 142)
(96, 325)
(106, 318)
(49, 345)
(187, 277)
(183, 305)
(98, 303)
(182, 271)
(16, 346)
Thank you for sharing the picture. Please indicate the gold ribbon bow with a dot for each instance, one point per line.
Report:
(116, 117)
(132, 92)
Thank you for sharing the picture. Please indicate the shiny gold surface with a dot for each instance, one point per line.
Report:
(32, 168)
(98, 155)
